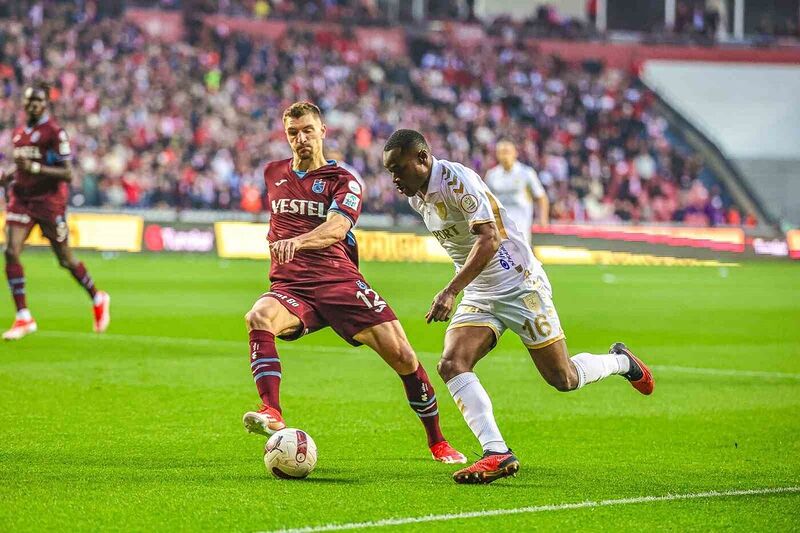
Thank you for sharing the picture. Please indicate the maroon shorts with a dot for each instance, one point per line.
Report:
(50, 215)
(348, 307)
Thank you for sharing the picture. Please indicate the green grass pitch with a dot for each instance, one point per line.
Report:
(140, 429)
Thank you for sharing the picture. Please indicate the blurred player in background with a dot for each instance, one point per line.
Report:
(516, 186)
(504, 287)
(315, 281)
(38, 195)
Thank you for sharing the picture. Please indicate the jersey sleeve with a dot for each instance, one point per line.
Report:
(347, 197)
(533, 182)
(60, 147)
(467, 193)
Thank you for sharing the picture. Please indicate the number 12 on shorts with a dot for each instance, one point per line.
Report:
(371, 299)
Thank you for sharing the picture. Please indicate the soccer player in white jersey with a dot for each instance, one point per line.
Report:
(516, 185)
(504, 287)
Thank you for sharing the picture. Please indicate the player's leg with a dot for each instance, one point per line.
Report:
(16, 235)
(267, 319)
(57, 232)
(472, 334)
(389, 340)
(463, 348)
(567, 373)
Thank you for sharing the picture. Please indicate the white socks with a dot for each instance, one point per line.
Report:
(593, 368)
(475, 405)
(23, 314)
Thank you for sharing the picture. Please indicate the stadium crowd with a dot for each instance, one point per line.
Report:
(191, 126)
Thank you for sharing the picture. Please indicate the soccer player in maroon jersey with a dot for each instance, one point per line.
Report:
(38, 195)
(315, 281)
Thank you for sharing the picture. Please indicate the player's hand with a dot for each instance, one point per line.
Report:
(23, 163)
(283, 251)
(441, 307)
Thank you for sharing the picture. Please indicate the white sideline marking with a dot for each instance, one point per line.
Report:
(538, 509)
(194, 341)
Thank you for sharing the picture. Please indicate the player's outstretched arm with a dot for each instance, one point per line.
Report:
(482, 252)
(329, 232)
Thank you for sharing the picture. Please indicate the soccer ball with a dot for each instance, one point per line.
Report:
(290, 454)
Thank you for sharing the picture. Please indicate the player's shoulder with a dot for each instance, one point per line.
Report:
(492, 171)
(527, 169)
(53, 126)
(279, 165)
(455, 176)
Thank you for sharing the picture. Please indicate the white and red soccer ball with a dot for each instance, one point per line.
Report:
(290, 454)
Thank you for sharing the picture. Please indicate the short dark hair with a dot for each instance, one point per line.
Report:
(299, 109)
(406, 140)
(40, 86)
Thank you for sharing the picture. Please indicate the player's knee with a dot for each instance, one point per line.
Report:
(404, 360)
(11, 255)
(63, 262)
(561, 379)
(258, 318)
(450, 367)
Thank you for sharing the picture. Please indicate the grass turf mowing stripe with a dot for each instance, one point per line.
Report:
(731, 372)
(540, 508)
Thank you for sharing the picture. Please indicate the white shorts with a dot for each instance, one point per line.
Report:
(528, 312)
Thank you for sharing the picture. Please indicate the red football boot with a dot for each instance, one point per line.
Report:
(639, 375)
(265, 421)
(444, 453)
(19, 329)
(102, 311)
(490, 467)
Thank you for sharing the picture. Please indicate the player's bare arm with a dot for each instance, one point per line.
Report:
(333, 230)
(482, 252)
(544, 210)
(61, 172)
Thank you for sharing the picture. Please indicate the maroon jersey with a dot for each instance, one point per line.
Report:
(45, 143)
(301, 203)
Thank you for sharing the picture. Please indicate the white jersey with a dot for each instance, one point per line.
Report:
(514, 188)
(457, 199)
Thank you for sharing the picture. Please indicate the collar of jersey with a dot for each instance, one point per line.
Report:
(436, 178)
(303, 173)
(44, 118)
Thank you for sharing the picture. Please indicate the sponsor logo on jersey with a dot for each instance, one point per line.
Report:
(361, 285)
(446, 233)
(354, 186)
(351, 201)
(441, 209)
(17, 137)
(35, 136)
(281, 182)
(469, 203)
(506, 261)
(27, 152)
(318, 186)
(299, 207)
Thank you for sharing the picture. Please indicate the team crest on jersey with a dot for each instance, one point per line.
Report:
(318, 186)
(36, 136)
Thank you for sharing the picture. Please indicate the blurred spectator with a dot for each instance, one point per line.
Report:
(191, 126)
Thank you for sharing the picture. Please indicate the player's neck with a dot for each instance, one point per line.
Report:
(509, 167)
(307, 165)
(423, 189)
